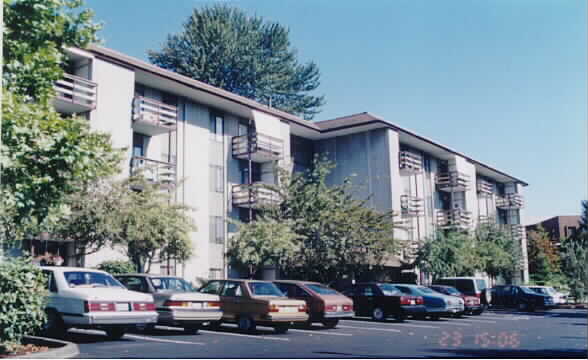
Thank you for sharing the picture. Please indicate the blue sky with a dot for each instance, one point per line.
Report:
(504, 81)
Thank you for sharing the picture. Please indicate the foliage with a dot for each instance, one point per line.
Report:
(261, 242)
(584, 217)
(35, 34)
(543, 257)
(117, 267)
(498, 251)
(574, 256)
(246, 55)
(22, 300)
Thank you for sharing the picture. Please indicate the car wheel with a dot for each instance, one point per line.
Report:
(191, 330)
(281, 328)
(54, 326)
(478, 312)
(115, 333)
(246, 323)
(435, 317)
(330, 324)
(214, 325)
(378, 314)
(400, 317)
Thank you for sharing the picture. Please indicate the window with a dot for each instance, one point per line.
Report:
(285, 288)
(134, 283)
(213, 287)
(367, 291)
(255, 170)
(321, 289)
(169, 99)
(138, 145)
(51, 283)
(243, 127)
(300, 292)
(216, 127)
(217, 230)
(217, 179)
(162, 284)
(570, 231)
(90, 279)
(214, 273)
(232, 288)
(264, 289)
(139, 90)
(404, 290)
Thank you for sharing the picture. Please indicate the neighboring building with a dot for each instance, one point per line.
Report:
(219, 143)
(558, 227)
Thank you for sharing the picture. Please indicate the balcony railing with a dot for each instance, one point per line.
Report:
(152, 117)
(159, 172)
(409, 162)
(454, 219)
(517, 231)
(453, 181)
(261, 148)
(411, 206)
(75, 94)
(485, 188)
(254, 196)
(510, 201)
(486, 220)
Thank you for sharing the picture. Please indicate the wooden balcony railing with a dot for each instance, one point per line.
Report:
(411, 206)
(484, 187)
(77, 91)
(454, 219)
(160, 172)
(453, 181)
(410, 162)
(262, 148)
(153, 117)
(517, 231)
(510, 201)
(255, 196)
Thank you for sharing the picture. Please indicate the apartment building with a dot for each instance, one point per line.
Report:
(220, 145)
(559, 228)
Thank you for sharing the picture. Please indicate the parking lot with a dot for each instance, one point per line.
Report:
(557, 333)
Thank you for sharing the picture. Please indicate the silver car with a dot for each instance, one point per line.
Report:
(177, 302)
(436, 304)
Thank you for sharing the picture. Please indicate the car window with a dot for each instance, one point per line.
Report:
(389, 290)
(90, 279)
(300, 292)
(404, 289)
(232, 288)
(264, 289)
(465, 285)
(51, 283)
(134, 283)
(481, 284)
(367, 291)
(526, 290)
(285, 288)
(163, 284)
(425, 290)
(448, 282)
(321, 289)
(451, 291)
(349, 292)
(213, 287)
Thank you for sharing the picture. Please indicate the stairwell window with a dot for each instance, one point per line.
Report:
(217, 230)
(217, 180)
(216, 127)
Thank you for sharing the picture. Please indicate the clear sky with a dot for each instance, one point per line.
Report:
(503, 81)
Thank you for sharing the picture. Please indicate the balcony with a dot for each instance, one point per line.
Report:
(254, 196)
(411, 206)
(510, 201)
(485, 188)
(262, 148)
(517, 231)
(458, 219)
(486, 220)
(75, 94)
(409, 162)
(151, 117)
(158, 172)
(453, 181)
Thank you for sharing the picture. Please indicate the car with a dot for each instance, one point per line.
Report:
(469, 285)
(177, 302)
(255, 302)
(324, 304)
(471, 303)
(521, 298)
(436, 304)
(87, 298)
(382, 300)
(558, 297)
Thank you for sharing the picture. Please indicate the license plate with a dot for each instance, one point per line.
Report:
(196, 305)
(412, 302)
(122, 306)
(289, 309)
(339, 308)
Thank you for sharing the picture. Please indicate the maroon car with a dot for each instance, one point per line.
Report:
(471, 303)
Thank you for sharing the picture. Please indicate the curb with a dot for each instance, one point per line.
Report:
(59, 349)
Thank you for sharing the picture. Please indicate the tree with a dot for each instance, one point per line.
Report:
(574, 257)
(543, 257)
(262, 242)
(584, 217)
(246, 55)
(497, 250)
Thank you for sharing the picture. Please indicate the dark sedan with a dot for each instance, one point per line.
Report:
(381, 300)
(520, 297)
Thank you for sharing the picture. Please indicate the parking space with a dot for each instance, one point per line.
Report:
(503, 332)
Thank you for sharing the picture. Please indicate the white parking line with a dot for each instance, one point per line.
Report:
(244, 335)
(148, 338)
(456, 323)
(320, 332)
(392, 324)
(506, 317)
(368, 328)
(480, 321)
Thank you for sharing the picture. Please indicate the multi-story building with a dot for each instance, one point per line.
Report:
(221, 144)
(559, 228)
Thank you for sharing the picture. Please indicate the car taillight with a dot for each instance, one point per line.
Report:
(302, 308)
(347, 307)
(404, 300)
(213, 304)
(331, 308)
(420, 300)
(94, 306)
(273, 308)
(143, 306)
(478, 295)
(176, 303)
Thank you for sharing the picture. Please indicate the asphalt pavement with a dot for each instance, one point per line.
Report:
(558, 333)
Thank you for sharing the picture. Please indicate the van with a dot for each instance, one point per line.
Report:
(473, 286)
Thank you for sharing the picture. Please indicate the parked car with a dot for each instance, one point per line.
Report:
(255, 302)
(468, 285)
(383, 300)
(471, 303)
(436, 304)
(177, 302)
(558, 297)
(324, 305)
(521, 298)
(86, 298)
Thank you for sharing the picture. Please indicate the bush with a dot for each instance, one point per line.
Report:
(116, 267)
(23, 297)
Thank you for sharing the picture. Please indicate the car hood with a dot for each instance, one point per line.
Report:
(107, 294)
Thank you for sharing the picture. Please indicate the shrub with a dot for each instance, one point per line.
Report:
(23, 297)
(116, 267)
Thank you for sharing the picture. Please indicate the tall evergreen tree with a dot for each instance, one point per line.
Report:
(246, 55)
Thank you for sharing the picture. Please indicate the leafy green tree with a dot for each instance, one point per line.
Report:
(246, 55)
(262, 242)
(574, 257)
(497, 250)
(584, 217)
(117, 267)
(543, 257)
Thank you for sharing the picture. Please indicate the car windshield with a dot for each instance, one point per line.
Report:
(90, 279)
(424, 290)
(321, 289)
(481, 284)
(163, 284)
(389, 290)
(264, 289)
(527, 290)
(451, 291)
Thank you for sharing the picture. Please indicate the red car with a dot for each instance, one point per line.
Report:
(471, 303)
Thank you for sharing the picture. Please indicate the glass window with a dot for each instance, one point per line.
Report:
(264, 289)
(367, 291)
(389, 290)
(214, 273)
(465, 285)
(232, 288)
(425, 290)
(285, 288)
(216, 127)
(134, 283)
(481, 284)
(321, 289)
(213, 287)
(138, 145)
(217, 230)
(217, 180)
(162, 284)
(51, 283)
(90, 279)
(404, 289)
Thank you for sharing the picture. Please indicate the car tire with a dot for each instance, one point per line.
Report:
(378, 314)
(400, 317)
(281, 328)
(246, 323)
(435, 317)
(478, 312)
(191, 330)
(214, 325)
(115, 333)
(330, 324)
(54, 326)
(522, 306)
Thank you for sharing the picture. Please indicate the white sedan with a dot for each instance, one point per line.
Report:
(87, 298)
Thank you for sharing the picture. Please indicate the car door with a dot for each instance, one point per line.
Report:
(53, 300)
(366, 299)
(354, 295)
(233, 300)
